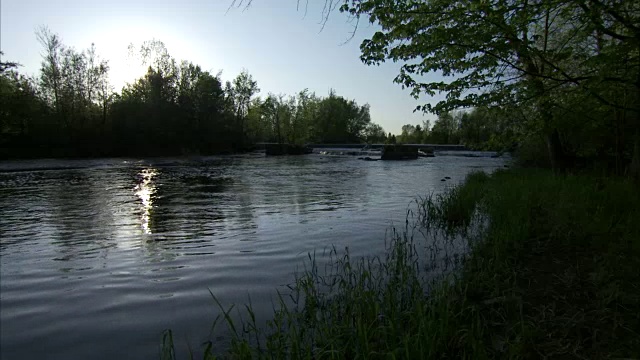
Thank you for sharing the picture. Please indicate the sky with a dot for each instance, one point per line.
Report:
(283, 49)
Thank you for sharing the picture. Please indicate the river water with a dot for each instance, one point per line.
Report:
(97, 257)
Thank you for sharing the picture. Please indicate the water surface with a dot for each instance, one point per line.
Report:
(97, 257)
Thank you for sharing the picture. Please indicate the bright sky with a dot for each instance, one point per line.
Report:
(283, 50)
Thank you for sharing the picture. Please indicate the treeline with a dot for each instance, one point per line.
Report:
(589, 135)
(308, 118)
(71, 109)
(477, 129)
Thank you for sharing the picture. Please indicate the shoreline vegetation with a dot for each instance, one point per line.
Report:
(70, 109)
(518, 264)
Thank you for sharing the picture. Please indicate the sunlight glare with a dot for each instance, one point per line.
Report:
(145, 191)
(113, 45)
(113, 42)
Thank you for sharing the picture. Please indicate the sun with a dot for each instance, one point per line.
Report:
(113, 36)
(113, 44)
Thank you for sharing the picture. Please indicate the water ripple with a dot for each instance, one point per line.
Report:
(98, 256)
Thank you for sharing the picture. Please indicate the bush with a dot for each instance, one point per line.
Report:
(519, 264)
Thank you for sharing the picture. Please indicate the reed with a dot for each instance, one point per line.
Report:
(519, 264)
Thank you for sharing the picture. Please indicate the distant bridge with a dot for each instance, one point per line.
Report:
(435, 147)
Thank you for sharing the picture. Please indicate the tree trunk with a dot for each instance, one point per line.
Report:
(556, 152)
(104, 115)
(554, 145)
(278, 127)
(634, 168)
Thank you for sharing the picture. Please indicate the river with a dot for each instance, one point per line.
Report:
(97, 257)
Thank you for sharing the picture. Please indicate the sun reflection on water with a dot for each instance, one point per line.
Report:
(145, 190)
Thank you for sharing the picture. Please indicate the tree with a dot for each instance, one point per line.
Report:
(240, 92)
(272, 108)
(22, 112)
(258, 130)
(174, 108)
(407, 133)
(445, 129)
(305, 115)
(375, 134)
(104, 90)
(340, 120)
(508, 52)
(5, 66)
(75, 85)
(51, 73)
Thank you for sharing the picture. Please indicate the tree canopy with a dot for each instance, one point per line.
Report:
(540, 57)
(566, 73)
(71, 109)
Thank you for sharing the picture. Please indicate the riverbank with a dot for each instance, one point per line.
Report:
(551, 271)
(93, 152)
(556, 273)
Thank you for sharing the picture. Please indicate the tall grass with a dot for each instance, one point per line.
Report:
(517, 264)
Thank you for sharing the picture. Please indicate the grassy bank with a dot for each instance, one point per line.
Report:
(517, 264)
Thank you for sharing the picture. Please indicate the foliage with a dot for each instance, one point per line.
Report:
(521, 275)
(175, 108)
(558, 259)
(478, 129)
(374, 134)
(22, 111)
(309, 118)
(557, 61)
